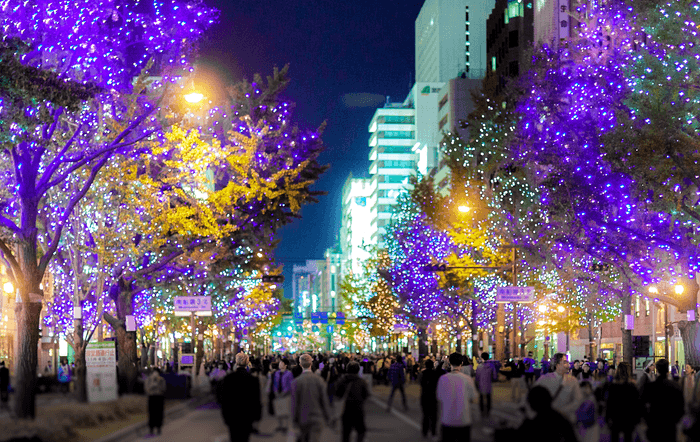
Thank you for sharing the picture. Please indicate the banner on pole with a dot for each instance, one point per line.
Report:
(101, 365)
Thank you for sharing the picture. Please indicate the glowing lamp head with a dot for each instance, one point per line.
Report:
(653, 289)
(8, 287)
(679, 289)
(194, 97)
(542, 308)
(464, 209)
(560, 309)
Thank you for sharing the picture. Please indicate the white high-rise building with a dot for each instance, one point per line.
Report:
(451, 39)
(356, 228)
(393, 134)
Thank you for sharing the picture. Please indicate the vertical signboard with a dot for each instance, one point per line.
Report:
(564, 19)
(101, 364)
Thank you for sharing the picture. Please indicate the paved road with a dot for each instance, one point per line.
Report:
(205, 424)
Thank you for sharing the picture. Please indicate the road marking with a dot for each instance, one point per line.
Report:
(396, 413)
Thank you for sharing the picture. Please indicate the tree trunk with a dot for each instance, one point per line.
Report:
(126, 349)
(690, 332)
(28, 316)
(80, 363)
(591, 343)
(626, 334)
(474, 329)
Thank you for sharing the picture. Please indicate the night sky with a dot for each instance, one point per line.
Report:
(345, 58)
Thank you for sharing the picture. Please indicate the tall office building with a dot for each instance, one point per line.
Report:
(355, 230)
(510, 32)
(392, 162)
(451, 49)
(451, 39)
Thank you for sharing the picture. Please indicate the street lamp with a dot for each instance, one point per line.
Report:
(194, 97)
(464, 209)
(8, 287)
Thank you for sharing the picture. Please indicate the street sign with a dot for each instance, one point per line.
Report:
(192, 303)
(324, 317)
(340, 318)
(522, 295)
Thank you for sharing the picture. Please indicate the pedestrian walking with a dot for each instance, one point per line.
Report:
(428, 398)
(355, 391)
(623, 410)
(455, 391)
(330, 373)
(548, 424)
(64, 376)
(310, 408)
(647, 376)
(239, 397)
(154, 388)
(397, 378)
(281, 392)
(688, 384)
(563, 388)
(485, 375)
(4, 385)
(664, 403)
(530, 363)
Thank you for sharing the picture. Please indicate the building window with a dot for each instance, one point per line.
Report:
(513, 39)
(646, 307)
(636, 306)
(513, 69)
(443, 122)
(398, 134)
(399, 119)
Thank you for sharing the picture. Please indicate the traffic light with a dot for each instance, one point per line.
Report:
(600, 267)
(273, 278)
(435, 268)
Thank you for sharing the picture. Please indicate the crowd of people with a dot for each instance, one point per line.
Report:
(575, 401)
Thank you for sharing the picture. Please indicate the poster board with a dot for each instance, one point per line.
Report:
(101, 365)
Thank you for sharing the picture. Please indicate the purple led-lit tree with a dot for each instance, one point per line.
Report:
(71, 106)
(607, 128)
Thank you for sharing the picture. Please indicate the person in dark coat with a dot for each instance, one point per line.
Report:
(355, 390)
(428, 398)
(4, 384)
(664, 401)
(548, 424)
(239, 397)
(623, 410)
(155, 388)
(397, 377)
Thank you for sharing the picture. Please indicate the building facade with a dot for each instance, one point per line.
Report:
(510, 32)
(392, 162)
(451, 39)
(355, 230)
